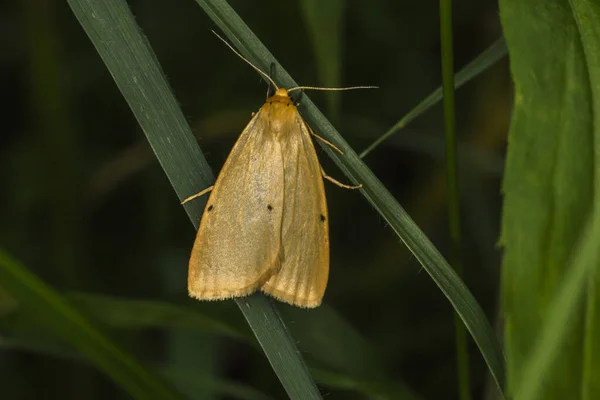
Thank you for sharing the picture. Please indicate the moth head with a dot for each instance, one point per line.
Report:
(281, 96)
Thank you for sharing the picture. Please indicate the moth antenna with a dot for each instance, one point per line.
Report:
(245, 59)
(332, 89)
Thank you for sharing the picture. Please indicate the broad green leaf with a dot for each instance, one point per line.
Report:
(55, 316)
(551, 222)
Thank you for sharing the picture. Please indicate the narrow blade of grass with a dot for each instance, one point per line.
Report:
(54, 314)
(462, 354)
(129, 58)
(380, 198)
(489, 57)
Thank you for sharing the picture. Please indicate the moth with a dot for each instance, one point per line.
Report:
(265, 225)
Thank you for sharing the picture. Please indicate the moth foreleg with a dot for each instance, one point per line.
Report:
(330, 179)
(208, 189)
(325, 141)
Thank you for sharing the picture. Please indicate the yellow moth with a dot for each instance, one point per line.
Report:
(265, 225)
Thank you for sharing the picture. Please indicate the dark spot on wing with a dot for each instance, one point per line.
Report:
(210, 208)
(269, 207)
(322, 218)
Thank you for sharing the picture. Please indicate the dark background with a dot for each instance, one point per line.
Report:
(85, 205)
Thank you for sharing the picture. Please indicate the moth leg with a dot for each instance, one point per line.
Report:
(326, 142)
(330, 179)
(208, 189)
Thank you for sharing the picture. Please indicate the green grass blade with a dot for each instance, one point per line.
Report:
(436, 266)
(462, 354)
(551, 216)
(54, 314)
(275, 340)
(127, 54)
(489, 57)
(129, 58)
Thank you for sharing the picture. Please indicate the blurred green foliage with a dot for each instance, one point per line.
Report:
(551, 215)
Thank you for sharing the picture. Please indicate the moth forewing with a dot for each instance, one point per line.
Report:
(303, 276)
(238, 245)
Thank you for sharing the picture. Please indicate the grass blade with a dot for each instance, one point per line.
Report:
(127, 54)
(489, 57)
(56, 315)
(462, 354)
